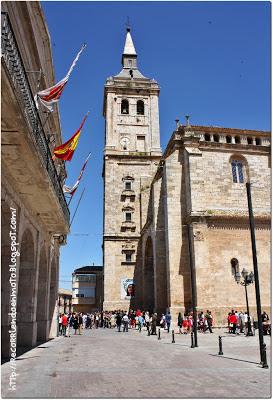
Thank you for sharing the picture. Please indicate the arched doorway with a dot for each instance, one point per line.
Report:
(148, 276)
(42, 298)
(26, 321)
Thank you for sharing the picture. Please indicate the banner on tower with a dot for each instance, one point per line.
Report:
(127, 289)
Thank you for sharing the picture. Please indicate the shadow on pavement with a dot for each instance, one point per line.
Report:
(235, 359)
(24, 349)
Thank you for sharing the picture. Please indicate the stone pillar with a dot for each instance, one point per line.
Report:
(26, 307)
(172, 173)
(158, 198)
(53, 306)
(42, 298)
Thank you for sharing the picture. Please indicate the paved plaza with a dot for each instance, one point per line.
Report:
(103, 363)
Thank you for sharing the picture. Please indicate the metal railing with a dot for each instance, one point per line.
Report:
(13, 60)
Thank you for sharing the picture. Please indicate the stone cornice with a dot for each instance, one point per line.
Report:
(216, 129)
(238, 215)
(120, 238)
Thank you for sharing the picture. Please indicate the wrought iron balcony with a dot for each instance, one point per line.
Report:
(11, 55)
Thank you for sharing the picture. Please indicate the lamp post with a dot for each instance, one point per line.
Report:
(193, 288)
(256, 274)
(247, 280)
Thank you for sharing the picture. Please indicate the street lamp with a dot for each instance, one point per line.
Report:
(247, 280)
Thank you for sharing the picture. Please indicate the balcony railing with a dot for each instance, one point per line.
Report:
(11, 54)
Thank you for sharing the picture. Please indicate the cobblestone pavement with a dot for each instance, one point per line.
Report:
(103, 363)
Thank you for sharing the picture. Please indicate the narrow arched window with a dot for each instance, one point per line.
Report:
(207, 137)
(249, 140)
(140, 107)
(237, 171)
(125, 107)
(237, 139)
(258, 141)
(228, 139)
(216, 138)
(234, 266)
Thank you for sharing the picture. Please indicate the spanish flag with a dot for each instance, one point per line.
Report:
(66, 150)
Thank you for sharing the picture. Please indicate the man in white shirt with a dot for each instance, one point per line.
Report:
(125, 321)
(246, 322)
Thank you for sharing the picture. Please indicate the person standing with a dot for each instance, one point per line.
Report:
(237, 316)
(88, 322)
(92, 317)
(209, 320)
(125, 321)
(233, 321)
(246, 322)
(76, 323)
(118, 321)
(133, 319)
(185, 324)
(229, 324)
(241, 322)
(163, 321)
(168, 321)
(97, 320)
(60, 324)
(69, 324)
(112, 320)
(147, 320)
(180, 322)
(140, 322)
(153, 324)
(64, 324)
(190, 322)
(80, 324)
(84, 317)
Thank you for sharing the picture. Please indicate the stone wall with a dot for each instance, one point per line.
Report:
(195, 187)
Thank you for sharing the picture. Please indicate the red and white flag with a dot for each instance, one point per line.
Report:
(50, 96)
(69, 190)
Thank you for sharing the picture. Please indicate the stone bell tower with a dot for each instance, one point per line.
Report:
(131, 157)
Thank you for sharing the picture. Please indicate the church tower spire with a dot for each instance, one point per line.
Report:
(129, 52)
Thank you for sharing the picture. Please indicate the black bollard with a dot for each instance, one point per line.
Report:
(220, 346)
(192, 344)
(173, 341)
(148, 332)
(158, 334)
(264, 364)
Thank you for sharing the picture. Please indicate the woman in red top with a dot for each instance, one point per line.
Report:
(233, 320)
(185, 324)
(229, 326)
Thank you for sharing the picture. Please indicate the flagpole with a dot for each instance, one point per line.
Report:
(77, 208)
(39, 81)
(70, 200)
(48, 114)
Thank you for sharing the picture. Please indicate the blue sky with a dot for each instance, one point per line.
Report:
(211, 60)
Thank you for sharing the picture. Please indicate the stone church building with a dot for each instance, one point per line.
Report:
(151, 199)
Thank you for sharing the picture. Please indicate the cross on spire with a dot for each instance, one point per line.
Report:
(128, 24)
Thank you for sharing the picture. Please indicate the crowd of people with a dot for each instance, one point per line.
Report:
(241, 322)
(124, 320)
(120, 319)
